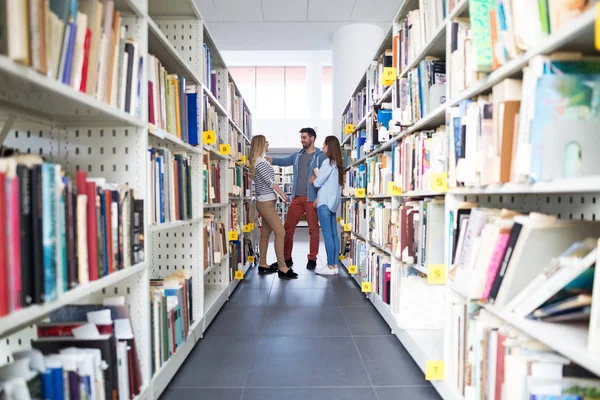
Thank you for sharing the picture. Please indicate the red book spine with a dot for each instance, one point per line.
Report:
(92, 230)
(4, 286)
(151, 117)
(86, 60)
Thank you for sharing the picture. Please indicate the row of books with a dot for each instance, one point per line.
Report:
(215, 241)
(376, 82)
(354, 213)
(420, 91)
(497, 254)
(81, 43)
(63, 231)
(210, 75)
(170, 185)
(497, 32)
(172, 103)
(357, 108)
(417, 158)
(211, 173)
(536, 130)
(84, 351)
(494, 361)
(418, 232)
(171, 315)
(416, 31)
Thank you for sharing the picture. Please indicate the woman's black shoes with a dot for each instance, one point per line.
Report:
(266, 270)
(289, 274)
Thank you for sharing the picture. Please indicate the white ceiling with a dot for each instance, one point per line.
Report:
(288, 24)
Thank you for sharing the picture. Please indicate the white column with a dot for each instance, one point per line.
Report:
(353, 48)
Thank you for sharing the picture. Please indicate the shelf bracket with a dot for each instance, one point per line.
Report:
(6, 127)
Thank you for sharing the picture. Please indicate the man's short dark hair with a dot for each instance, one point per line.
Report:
(309, 131)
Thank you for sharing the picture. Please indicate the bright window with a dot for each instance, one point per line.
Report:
(326, 93)
(296, 96)
(273, 92)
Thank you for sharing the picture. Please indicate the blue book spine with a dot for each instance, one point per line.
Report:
(57, 383)
(66, 78)
(192, 120)
(49, 230)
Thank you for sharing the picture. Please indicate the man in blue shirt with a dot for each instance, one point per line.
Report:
(303, 195)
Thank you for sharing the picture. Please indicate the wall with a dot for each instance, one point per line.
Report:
(284, 133)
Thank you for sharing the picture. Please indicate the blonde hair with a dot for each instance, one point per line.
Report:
(258, 146)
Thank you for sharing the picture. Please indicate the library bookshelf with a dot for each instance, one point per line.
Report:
(407, 187)
(195, 191)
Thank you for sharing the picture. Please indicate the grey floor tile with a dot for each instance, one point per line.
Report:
(339, 283)
(307, 361)
(204, 394)
(217, 362)
(299, 297)
(365, 321)
(248, 296)
(352, 298)
(388, 362)
(236, 321)
(305, 281)
(310, 394)
(322, 321)
(256, 280)
(408, 393)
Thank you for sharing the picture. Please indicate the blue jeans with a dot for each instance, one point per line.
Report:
(329, 228)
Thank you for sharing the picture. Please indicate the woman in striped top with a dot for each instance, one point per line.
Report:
(264, 189)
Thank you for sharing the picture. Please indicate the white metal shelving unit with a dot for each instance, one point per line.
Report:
(43, 116)
(574, 199)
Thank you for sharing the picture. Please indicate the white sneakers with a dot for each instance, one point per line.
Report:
(325, 270)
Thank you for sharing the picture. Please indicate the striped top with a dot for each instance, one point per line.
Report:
(264, 178)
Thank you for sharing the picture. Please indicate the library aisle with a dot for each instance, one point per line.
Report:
(314, 338)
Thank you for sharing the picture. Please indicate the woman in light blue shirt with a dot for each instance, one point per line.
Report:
(329, 182)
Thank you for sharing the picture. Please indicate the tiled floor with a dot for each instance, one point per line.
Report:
(312, 338)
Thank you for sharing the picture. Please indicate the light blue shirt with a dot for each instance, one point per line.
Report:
(328, 185)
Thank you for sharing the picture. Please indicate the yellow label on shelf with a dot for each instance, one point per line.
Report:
(360, 192)
(434, 370)
(233, 235)
(225, 149)
(251, 226)
(439, 182)
(251, 259)
(209, 137)
(436, 274)
(239, 275)
(393, 189)
(341, 257)
(352, 269)
(348, 129)
(242, 160)
(389, 76)
(597, 28)
(366, 287)
(339, 219)
(246, 228)
(346, 227)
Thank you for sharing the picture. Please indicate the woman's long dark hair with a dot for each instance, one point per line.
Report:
(334, 153)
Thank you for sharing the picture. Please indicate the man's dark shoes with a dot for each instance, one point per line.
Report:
(312, 264)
